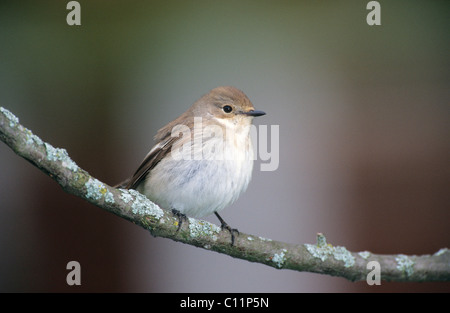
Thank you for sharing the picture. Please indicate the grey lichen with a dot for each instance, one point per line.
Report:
(32, 138)
(13, 120)
(199, 228)
(59, 154)
(279, 258)
(109, 197)
(405, 264)
(342, 254)
(95, 189)
(125, 196)
(364, 254)
(441, 251)
(141, 204)
(321, 240)
(322, 251)
(264, 239)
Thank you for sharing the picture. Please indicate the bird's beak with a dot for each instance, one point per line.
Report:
(254, 113)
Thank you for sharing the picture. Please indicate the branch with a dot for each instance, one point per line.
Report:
(131, 205)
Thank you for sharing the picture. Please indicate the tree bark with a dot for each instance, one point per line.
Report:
(319, 257)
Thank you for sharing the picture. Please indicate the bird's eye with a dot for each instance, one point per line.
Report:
(227, 109)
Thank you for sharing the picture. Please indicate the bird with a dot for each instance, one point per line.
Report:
(203, 160)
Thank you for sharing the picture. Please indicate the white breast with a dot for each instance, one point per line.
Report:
(199, 188)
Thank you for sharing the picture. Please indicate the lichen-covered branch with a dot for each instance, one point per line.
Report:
(319, 257)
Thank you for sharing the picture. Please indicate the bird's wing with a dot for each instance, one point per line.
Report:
(156, 154)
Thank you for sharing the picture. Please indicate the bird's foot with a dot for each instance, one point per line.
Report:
(181, 217)
(224, 225)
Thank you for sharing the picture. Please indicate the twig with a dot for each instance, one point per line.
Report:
(320, 257)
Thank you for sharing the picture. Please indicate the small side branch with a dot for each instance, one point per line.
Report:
(319, 257)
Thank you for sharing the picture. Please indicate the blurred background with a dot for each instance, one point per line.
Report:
(364, 134)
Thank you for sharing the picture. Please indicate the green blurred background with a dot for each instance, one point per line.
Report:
(364, 134)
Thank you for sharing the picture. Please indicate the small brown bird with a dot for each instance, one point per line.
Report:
(203, 160)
